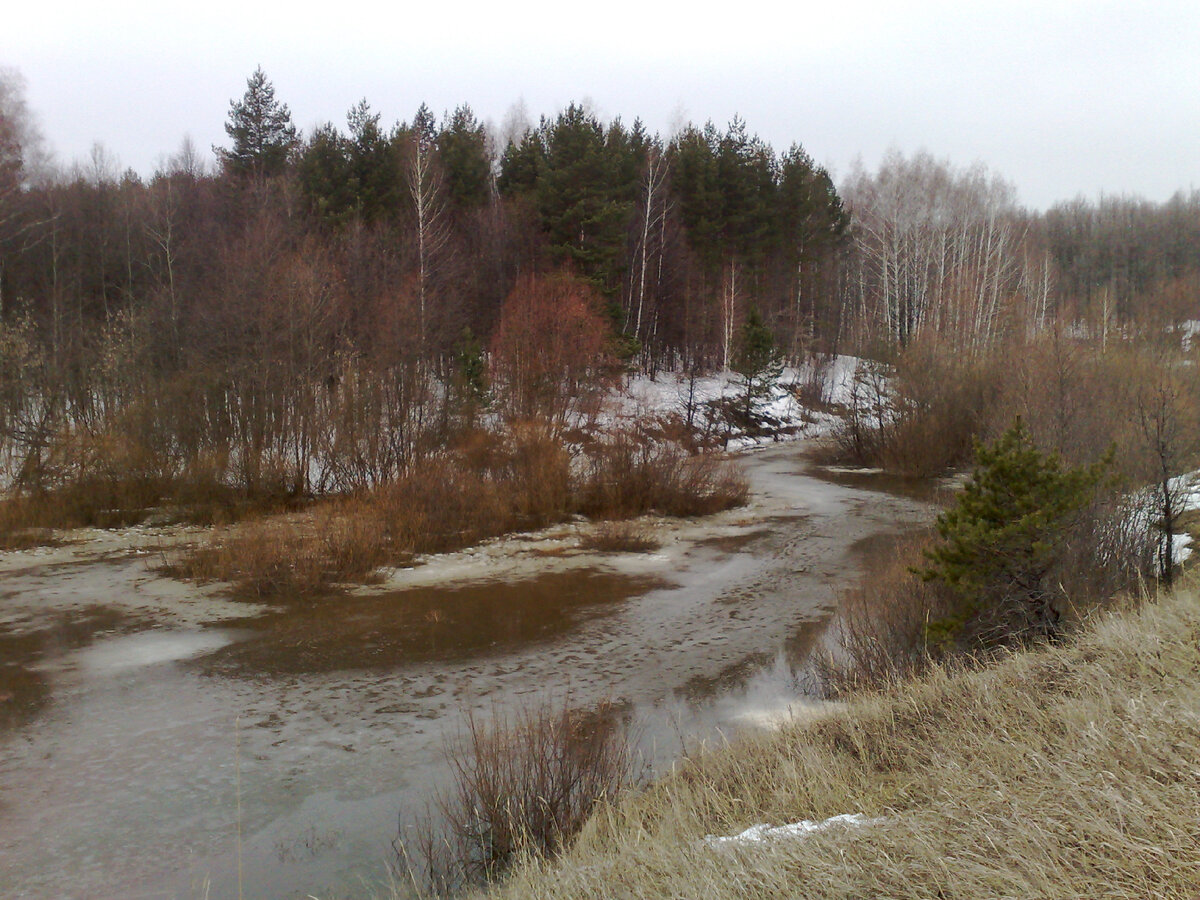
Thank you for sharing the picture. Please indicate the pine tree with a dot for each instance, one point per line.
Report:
(462, 147)
(584, 207)
(261, 129)
(1001, 539)
(326, 176)
(375, 171)
(756, 359)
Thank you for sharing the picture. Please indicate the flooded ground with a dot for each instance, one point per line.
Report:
(152, 731)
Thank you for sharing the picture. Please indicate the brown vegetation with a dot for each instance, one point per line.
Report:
(619, 537)
(525, 783)
(1062, 772)
(489, 484)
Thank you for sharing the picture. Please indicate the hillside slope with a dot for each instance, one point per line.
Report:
(1071, 771)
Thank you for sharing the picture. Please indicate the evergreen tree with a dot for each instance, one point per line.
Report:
(470, 377)
(746, 177)
(326, 176)
(756, 359)
(583, 207)
(521, 164)
(261, 129)
(462, 147)
(811, 224)
(697, 185)
(373, 164)
(1001, 538)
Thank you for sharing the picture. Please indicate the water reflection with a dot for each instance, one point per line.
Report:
(29, 647)
(131, 729)
(446, 624)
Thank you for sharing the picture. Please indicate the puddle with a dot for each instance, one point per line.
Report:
(423, 624)
(147, 649)
(139, 715)
(926, 490)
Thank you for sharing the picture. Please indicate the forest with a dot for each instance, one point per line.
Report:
(350, 347)
(321, 312)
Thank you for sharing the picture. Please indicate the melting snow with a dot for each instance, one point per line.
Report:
(759, 834)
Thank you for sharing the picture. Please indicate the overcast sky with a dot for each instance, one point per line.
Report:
(1060, 98)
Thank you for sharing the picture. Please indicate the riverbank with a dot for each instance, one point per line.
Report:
(136, 702)
(1060, 772)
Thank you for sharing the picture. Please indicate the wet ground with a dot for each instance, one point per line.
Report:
(150, 730)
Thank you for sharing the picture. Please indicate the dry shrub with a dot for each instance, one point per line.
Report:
(628, 476)
(488, 484)
(536, 469)
(263, 557)
(550, 348)
(945, 401)
(525, 783)
(439, 507)
(495, 485)
(291, 556)
(619, 537)
(1109, 552)
(25, 523)
(880, 625)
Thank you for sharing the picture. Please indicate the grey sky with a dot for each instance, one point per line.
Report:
(1058, 97)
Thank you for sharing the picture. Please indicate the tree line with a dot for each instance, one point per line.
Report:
(356, 274)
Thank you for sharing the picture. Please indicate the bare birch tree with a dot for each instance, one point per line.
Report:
(425, 189)
(940, 248)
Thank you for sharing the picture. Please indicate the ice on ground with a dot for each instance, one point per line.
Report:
(1181, 547)
(760, 834)
(148, 648)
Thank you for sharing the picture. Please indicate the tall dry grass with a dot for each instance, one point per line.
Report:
(1062, 772)
(487, 484)
(627, 475)
(525, 782)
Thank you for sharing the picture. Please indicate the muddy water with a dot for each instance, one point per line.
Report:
(151, 730)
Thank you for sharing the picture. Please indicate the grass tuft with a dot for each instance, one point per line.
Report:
(620, 537)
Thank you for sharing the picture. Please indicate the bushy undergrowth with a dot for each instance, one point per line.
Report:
(1025, 560)
(1024, 553)
(626, 476)
(525, 782)
(921, 410)
(1063, 772)
(486, 485)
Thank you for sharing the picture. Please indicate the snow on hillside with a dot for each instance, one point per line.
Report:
(799, 400)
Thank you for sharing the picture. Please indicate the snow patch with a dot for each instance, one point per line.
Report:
(762, 834)
(674, 393)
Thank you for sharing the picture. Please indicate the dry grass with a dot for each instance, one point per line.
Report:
(488, 485)
(628, 476)
(290, 556)
(525, 782)
(620, 537)
(1064, 772)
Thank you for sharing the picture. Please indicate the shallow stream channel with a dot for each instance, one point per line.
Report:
(156, 735)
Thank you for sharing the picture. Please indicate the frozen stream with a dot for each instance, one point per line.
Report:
(131, 704)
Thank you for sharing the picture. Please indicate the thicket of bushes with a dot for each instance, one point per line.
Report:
(491, 483)
(1112, 427)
